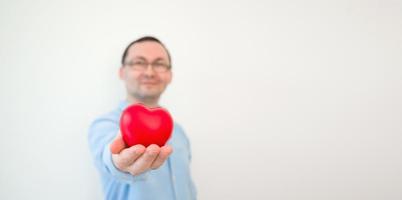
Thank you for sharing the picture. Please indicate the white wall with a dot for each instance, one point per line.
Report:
(281, 99)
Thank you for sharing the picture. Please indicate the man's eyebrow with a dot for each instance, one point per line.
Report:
(140, 57)
(159, 59)
(156, 60)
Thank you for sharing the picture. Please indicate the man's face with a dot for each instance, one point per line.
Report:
(145, 83)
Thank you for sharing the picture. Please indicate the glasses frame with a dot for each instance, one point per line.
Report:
(142, 66)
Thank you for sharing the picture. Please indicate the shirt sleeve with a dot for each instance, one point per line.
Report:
(101, 133)
(188, 146)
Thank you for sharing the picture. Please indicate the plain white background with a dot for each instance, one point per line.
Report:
(281, 99)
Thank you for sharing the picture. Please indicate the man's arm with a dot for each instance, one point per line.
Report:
(180, 130)
(112, 156)
(101, 134)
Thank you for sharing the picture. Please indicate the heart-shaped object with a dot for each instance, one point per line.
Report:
(142, 125)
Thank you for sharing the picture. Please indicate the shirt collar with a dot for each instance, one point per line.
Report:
(123, 105)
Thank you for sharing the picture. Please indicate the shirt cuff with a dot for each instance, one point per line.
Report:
(120, 175)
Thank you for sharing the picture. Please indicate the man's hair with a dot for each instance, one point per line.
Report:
(145, 39)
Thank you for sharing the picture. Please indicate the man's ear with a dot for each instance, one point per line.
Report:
(121, 73)
(170, 77)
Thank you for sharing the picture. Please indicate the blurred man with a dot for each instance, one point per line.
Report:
(140, 172)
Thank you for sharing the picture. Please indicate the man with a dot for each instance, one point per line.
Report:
(138, 172)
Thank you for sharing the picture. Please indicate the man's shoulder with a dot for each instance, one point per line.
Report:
(180, 132)
(110, 116)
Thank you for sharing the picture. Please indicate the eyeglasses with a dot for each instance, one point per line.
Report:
(158, 66)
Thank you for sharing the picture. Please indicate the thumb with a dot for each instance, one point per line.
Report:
(117, 145)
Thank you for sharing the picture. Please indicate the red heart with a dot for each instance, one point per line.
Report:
(146, 126)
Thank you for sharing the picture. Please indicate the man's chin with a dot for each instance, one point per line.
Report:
(146, 93)
(150, 94)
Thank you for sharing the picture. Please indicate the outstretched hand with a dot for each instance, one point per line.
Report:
(138, 158)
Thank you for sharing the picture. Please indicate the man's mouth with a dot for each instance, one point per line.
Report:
(149, 83)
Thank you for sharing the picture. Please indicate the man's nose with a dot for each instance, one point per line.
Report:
(150, 70)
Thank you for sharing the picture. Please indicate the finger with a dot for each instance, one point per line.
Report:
(144, 162)
(117, 145)
(163, 155)
(130, 155)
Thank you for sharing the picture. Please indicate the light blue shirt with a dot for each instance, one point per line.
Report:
(172, 181)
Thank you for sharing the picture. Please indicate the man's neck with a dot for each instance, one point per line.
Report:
(151, 103)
